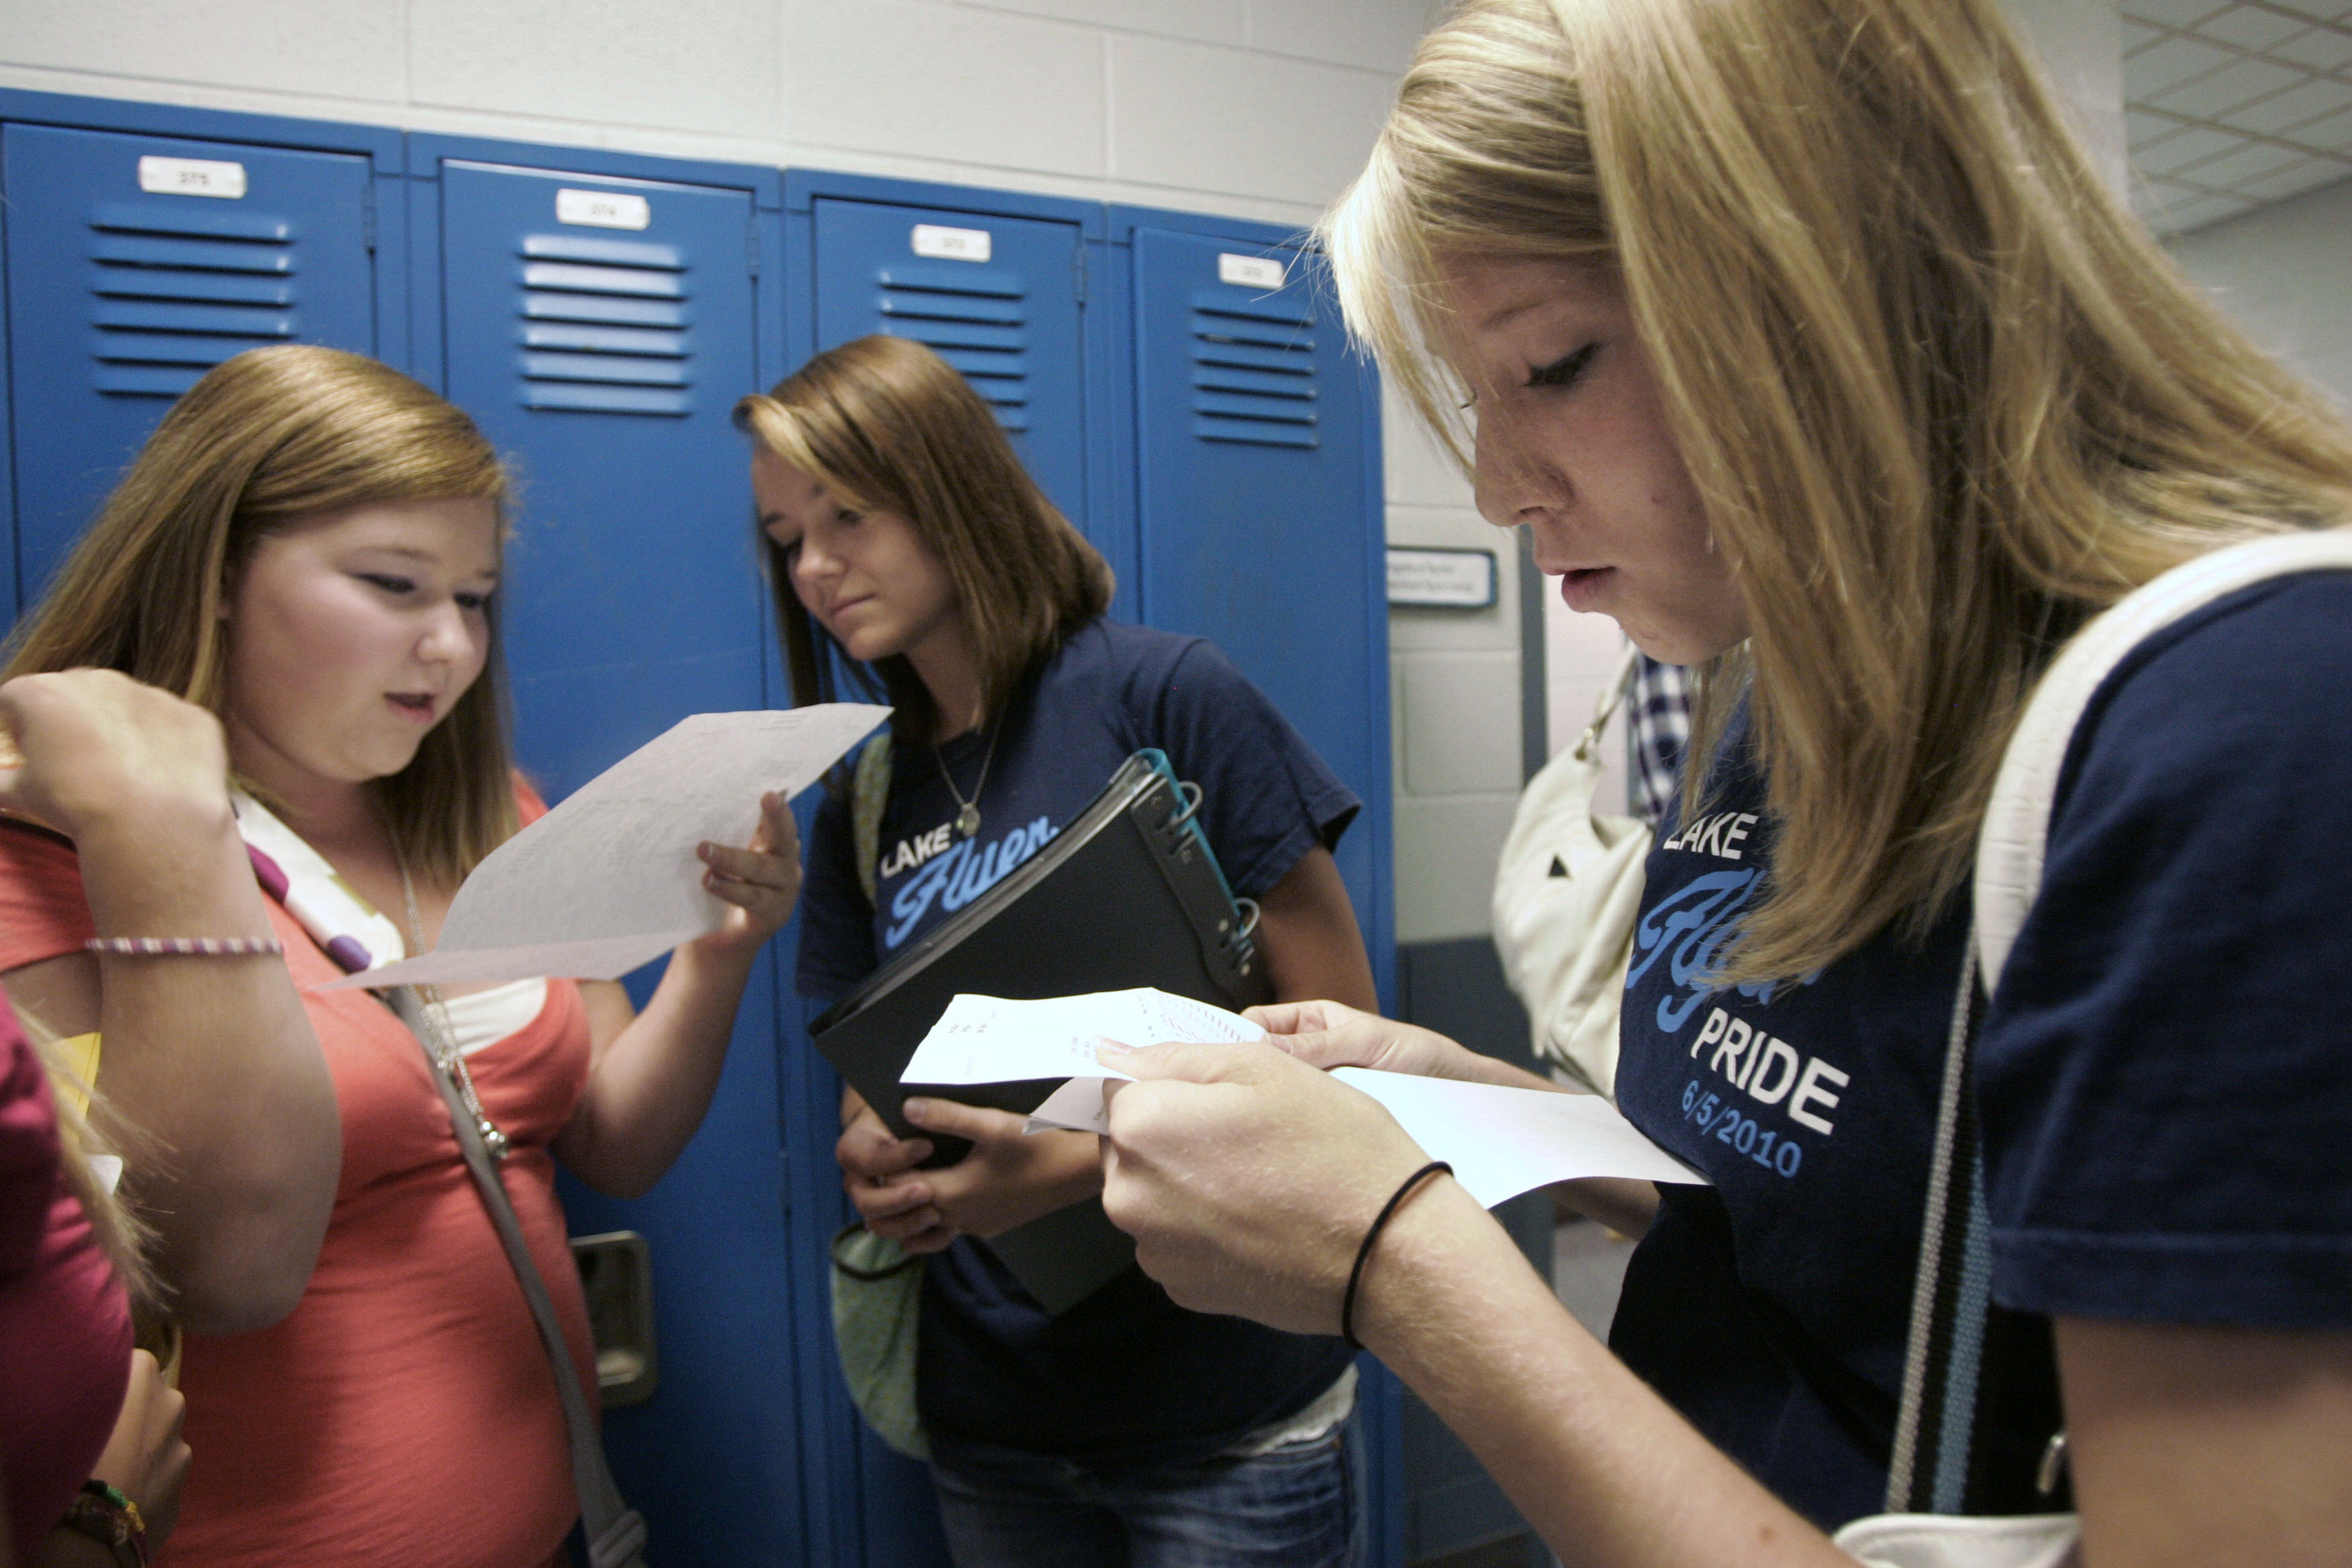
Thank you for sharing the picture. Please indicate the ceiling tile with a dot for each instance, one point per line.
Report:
(2139, 34)
(2178, 152)
(2252, 160)
(2142, 126)
(2168, 63)
(2209, 97)
(2196, 214)
(2172, 13)
(2149, 198)
(2322, 49)
(2295, 179)
(2251, 28)
(2278, 114)
(2332, 134)
(2149, 187)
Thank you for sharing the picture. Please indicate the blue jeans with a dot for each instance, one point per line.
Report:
(1301, 1506)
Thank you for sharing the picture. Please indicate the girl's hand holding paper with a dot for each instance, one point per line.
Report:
(1248, 1178)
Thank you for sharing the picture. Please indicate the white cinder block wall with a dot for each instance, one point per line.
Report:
(1454, 694)
(1259, 109)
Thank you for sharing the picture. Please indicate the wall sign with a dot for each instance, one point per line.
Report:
(192, 177)
(1442, 579)
(1250, 271)
(604, 209)
(944, 244)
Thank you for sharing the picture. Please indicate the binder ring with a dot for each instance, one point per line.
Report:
(1249, 923)
(1192, 806)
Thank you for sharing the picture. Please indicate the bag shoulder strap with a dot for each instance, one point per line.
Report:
(1951, 1294)
(2017, 821)
(869, 793)
(1611, 697)
(615, 1532)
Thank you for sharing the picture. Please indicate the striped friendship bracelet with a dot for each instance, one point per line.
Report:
(187, 946)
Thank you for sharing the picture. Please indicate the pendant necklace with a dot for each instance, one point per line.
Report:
(967, 817)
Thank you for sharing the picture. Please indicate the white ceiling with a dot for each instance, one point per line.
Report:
(2229, 104)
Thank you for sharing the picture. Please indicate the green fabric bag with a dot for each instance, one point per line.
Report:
(878, 1285)
(877, 1289)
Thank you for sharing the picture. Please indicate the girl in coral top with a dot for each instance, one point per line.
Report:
(309, 546)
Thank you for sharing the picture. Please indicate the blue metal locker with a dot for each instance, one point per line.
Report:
(1257, 490)
(601, 325)
(1258, 494)
(1002, 307)
(137, 260)
(1020, 323)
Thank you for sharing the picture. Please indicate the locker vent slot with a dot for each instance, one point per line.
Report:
(176, 291)
(1253, 369)
(604, 326)
(974, 317)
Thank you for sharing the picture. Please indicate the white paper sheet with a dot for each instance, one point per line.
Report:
(988, 1040)
(609, 880)
(1503, 1142)
(1500, 1140)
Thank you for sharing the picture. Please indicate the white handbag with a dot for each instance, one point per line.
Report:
(1930, 1465)
(1567, 893)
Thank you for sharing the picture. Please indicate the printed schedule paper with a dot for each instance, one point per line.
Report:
(1501, 1141)
(609, 880)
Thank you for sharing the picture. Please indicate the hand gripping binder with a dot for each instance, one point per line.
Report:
(1128, 894)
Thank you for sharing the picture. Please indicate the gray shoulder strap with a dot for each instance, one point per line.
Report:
(1952, 1290)
(615, 1532)
(2017, 821)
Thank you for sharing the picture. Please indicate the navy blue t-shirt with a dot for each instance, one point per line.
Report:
(1125, 1372)
(2161, 1087)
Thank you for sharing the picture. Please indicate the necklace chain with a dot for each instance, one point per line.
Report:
(442, 1039)
(967, 819)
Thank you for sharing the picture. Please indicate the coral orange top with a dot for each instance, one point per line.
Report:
(405, 1413)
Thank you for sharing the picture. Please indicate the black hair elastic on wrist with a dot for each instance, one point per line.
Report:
(1364, 1253)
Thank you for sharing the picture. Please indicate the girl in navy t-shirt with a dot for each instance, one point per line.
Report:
(906, 542)
(1809, 348)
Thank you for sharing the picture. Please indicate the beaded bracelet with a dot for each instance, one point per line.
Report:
(1364, 1253)
(187, 946)
(106, 1516)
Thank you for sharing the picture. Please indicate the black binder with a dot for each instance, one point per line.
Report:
(1128, 894)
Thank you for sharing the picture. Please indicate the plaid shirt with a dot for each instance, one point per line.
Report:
(1657, 730)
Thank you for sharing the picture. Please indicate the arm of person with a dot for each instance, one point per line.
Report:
(145, 1459)
(651, 1075)
(2190, 1446)
(210, 1061)
(1307, 931)
(2193, 1444)
(1248, 1180)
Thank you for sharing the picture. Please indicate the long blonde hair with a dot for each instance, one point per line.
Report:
(887, 424)
(1941, 397)
(88, 1131)
(265, 439)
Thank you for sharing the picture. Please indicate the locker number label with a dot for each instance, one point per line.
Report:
(1250, 271)
(944, 244)
(603, 209)
(192, 177)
